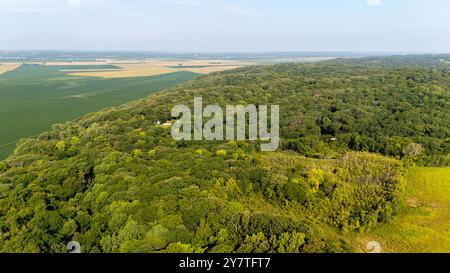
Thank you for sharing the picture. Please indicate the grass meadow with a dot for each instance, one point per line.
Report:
(424, 224)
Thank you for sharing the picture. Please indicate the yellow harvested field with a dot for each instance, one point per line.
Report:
(71, 63)
(89, 70)
(153, 67)
(5, 67)
(128, 70)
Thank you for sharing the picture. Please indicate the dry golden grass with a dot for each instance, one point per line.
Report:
(5, 67)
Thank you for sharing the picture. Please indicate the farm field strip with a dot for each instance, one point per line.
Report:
(158, 67)
(133, 68)
(6, 67)
(152, 67)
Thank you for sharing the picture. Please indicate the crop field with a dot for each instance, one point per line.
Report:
(36, 96)
(424, 225)
(126, 71)
(143, 68)
(5, 67)
(123, 68)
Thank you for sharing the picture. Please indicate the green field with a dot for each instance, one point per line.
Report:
(33, 97)
(424, 225)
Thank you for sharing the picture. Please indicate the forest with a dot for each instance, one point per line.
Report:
(116, 181)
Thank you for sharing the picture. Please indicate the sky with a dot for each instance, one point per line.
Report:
(226, 25)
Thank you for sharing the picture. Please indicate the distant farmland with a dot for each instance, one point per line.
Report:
(33, 97)
(142, 68)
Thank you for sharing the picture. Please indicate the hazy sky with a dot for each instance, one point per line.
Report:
(226, 25)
